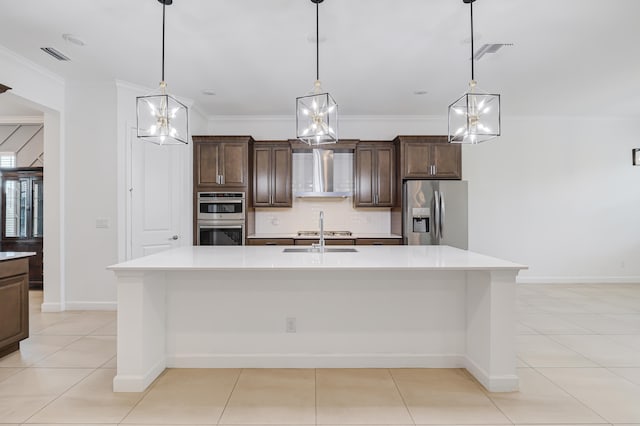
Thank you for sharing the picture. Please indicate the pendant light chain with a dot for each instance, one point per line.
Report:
(164, 5)
(317, 42)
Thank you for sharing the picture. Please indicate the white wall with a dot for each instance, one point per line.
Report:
(560, 195)
(45, 91)
(557, 194)
(91, 164)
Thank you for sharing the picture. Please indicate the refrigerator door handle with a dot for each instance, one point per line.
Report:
(442, 211)
(436, 213)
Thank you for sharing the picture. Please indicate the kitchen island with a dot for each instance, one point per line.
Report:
(250, 306)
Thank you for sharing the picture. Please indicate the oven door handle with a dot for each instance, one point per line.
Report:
(220, 226)
(218, 201)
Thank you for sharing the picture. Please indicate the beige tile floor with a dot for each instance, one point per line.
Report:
(578, 358)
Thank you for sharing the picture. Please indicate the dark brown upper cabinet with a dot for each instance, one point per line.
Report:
(272, 174)
(375, 174)
(221, 162)
(429, 157)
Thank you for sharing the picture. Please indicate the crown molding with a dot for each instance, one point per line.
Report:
(22, 119)
(32, 65)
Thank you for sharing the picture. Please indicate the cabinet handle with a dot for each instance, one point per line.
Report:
(435, 169)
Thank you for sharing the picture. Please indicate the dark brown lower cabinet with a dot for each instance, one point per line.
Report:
(14, 304)
(270, 241)
(379, 241)
(327, 242)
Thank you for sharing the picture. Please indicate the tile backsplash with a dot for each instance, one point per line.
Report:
(339, 215)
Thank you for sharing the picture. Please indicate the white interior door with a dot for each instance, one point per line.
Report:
(155, 194)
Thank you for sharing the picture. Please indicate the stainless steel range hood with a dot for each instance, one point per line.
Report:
(318, 180)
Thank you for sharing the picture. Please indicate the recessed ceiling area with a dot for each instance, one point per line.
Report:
(570, 57)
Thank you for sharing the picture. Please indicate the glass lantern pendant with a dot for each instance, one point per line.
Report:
(475, 116)
(161, 118)
(317, 113)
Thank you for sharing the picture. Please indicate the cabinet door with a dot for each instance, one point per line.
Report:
(364, 177)
(14, 310)
(281, 176)
(262, 176)
(233, 164)
(447, 160)
(417, 160)
(207, 154)
(385, 176)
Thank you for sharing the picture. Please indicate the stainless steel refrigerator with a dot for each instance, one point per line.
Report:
(435, 212)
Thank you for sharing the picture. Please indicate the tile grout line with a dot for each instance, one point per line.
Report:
(571, 395)
(235, 384)
(622, 377)
(393, 379)
(143, 395)
(59, 395)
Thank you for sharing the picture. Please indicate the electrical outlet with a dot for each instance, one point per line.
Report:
(102, 222)
(290, 326)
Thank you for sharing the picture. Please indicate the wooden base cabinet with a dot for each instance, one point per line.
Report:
(429, 157)
(270, 241)
(375, 174)
(327, 242)
(379, 241)
(14, 304)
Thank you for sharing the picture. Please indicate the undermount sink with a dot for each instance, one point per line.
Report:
(316, 250)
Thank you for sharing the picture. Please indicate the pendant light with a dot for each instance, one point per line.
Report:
(161, 118)
(317, 113)
(475, 116)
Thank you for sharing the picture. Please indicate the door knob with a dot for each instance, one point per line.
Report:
(175, 237)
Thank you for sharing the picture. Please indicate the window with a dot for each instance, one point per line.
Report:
(7, 159)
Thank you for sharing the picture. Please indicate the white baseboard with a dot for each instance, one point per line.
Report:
(137, 383)
(314, 361)
(578, 280)
(91, 306)
(504, 383)
(52, 307)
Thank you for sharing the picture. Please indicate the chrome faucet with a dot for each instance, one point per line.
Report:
(320, 246)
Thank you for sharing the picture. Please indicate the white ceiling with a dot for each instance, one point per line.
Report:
(575, 57)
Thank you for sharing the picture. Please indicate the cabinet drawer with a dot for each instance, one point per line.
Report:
(270, 241)
(327, 242)
(379, 241)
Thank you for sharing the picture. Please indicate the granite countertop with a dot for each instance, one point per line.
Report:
(11, 255)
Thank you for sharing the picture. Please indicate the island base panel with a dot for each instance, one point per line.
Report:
(344, 318)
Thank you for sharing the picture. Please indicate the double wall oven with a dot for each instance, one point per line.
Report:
(221, 219)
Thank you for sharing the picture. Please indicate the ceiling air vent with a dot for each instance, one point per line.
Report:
(489, 48)
(56, 54)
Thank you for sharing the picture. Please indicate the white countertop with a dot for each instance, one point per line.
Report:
(205, 258)
(327, 237)
(11, 255)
